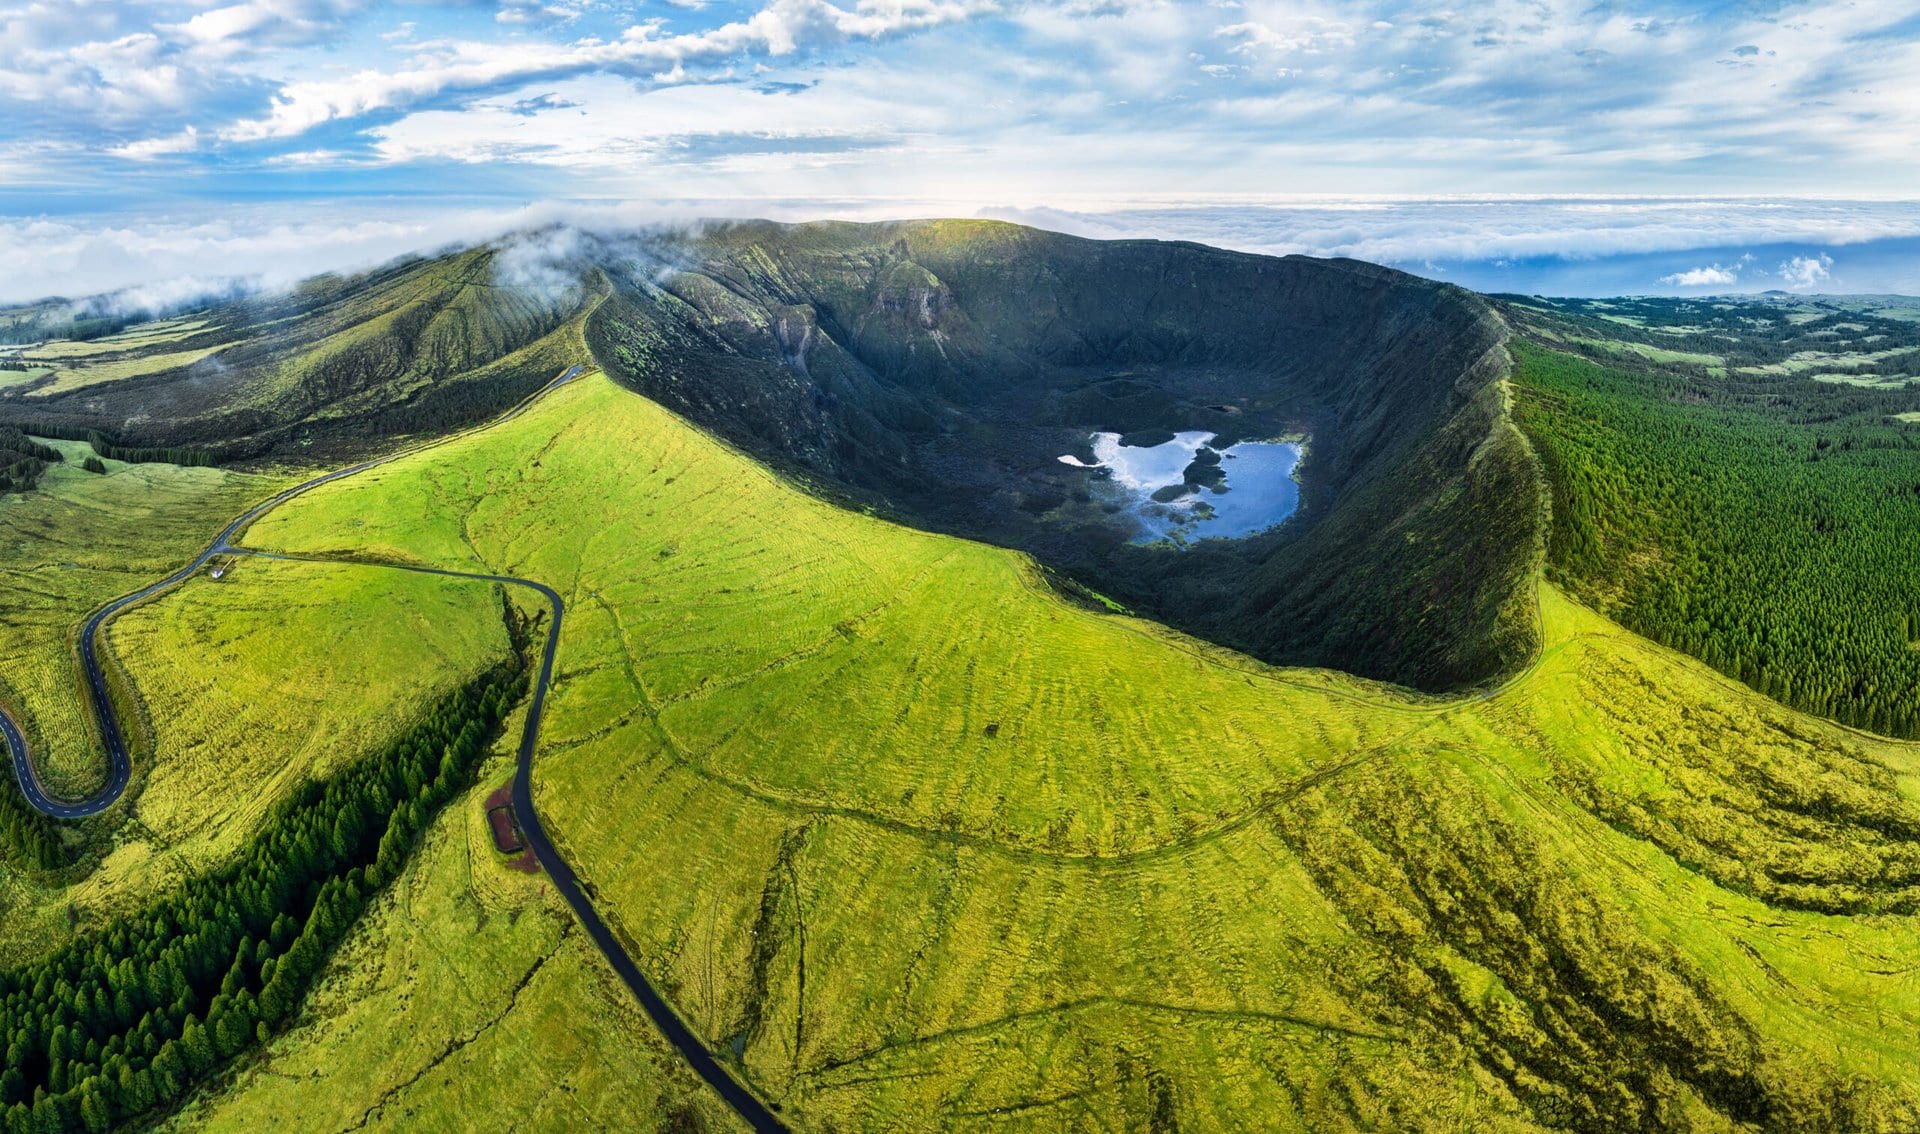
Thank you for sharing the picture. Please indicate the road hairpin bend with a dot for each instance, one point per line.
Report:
(120, 767)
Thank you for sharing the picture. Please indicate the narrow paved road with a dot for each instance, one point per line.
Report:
(744, 1103)
(119, 765)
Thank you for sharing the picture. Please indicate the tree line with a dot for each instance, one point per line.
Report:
(1768, 526)
(83, 328)
(106, 446)
(140, 455)
(22, 459)
(29, 836)
(128, 1018)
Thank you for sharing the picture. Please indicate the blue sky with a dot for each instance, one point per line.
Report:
(1656, 146)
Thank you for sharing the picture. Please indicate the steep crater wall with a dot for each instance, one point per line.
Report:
(938, 370)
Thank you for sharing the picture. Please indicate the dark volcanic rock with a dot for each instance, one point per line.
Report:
(948, 365)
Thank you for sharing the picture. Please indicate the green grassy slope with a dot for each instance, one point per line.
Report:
(247, 688)
(465, 1000)
(924, 844)
(82, 539)
(280, 672)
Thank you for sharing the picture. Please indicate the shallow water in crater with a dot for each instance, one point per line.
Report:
(1258, 490)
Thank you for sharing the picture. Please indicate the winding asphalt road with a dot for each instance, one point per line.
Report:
(119, 765)
(751, 1110)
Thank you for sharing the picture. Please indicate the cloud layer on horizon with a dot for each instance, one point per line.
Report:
(1567, 246)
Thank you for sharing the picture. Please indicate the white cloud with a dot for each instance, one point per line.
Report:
(169, 256)
(535, 11)
(162, 297)
(1410, 230)
(232, 22)
(1715, 276)
(49, 23)
(124, 79)
(1309, 34)
(1153, 95)
(1804, 273)
(79, 256)
(1130, 117)
(251, 24)
(311, 158)
(781, 28)
(146, 149)
(604, 123)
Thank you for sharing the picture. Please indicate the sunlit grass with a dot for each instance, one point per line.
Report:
(245, 687)
(80, 373)
(280, 672)
(137, 337)
(77, 541)
(919, 839)
(1646, 351)
(466, 999)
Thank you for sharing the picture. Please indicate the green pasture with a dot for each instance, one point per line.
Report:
(923, 843)
(467, 999)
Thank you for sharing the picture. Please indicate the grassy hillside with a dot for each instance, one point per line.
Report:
(328, 369)
(921, 842)
(280, 672)
(246, 688)
(1767, 523)
(82, 539)
(465, 1000)
(938, 370)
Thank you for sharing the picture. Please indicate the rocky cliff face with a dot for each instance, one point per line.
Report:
(937, 370)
